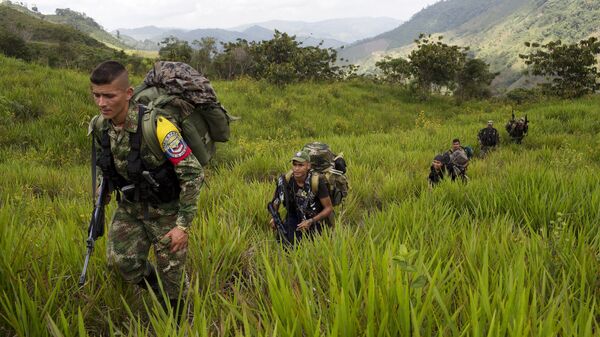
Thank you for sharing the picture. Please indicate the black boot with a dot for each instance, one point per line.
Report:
(150, 279)
(178, 309)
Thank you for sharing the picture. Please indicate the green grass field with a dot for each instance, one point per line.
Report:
(515, 252)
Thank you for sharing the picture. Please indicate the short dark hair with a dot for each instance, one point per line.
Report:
(455, 140)
(106, 72)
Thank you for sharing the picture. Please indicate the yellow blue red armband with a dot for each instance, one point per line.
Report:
(171, 141)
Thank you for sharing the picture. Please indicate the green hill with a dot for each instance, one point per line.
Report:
(514, 252)
(494, 29)
(33, 38)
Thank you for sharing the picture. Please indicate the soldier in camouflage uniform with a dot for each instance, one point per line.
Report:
(156, 196)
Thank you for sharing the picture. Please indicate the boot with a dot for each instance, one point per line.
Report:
(150, 279)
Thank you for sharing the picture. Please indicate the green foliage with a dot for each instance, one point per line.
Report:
(436, 64)
(403, 260)
(174, 49)
(474, 79)
(395, 70)
(30, 38)
(570, 68)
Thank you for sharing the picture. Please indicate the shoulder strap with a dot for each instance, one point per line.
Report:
(314, 183)
(149, 132)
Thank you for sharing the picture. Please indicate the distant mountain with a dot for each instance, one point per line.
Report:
(346, 30)
(494, 29)
(153, 35)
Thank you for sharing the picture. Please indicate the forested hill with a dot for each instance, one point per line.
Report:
(494, 29)
(33, 38)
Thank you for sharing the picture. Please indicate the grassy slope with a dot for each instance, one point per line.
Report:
(514, 252)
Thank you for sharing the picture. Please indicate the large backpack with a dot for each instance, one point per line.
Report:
(188, 97)
(330, 166)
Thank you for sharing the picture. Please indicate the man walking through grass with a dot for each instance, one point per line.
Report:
(156, 197)
(488, 138)
(457, 161)
(305, 196)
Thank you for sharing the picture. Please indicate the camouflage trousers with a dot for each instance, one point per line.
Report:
(130, 237)
(485, 149)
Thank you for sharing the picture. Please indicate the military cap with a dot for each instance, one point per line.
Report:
(301, 157)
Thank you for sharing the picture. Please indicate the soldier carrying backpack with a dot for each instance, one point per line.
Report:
(456, 161)
(489, 138)
(517, 129)
(305, 196)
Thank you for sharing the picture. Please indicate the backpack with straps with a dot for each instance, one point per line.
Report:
(188, 97)
(329, 165)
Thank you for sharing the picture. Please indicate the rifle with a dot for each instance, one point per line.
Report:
(281, 231)
(96, 227)
(280, 197)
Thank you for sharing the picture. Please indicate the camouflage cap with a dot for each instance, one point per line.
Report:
(490, 122)
(301, 157)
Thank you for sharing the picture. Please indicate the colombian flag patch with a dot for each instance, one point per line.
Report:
(171, 141)
(175, 147)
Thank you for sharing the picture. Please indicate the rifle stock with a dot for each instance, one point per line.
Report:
(96, 227)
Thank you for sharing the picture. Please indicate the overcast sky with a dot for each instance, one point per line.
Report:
(190, 14)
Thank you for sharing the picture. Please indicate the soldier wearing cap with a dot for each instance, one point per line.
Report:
(305, 196)
(489, 138)
(436, 171)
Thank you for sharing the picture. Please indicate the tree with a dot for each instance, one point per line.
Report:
(569, 69)
(435, 63)
(395, 70)
(474, 79)
(202, 58)
(13, 45)
(174, 49)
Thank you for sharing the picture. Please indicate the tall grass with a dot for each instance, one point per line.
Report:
(515, 252)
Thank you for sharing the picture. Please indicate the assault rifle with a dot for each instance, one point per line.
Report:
(281, 231)
(96, 227)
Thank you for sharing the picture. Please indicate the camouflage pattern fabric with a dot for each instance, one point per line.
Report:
(130, 237)
(321, 157)
(131, 234)
(179, 78)
(188, 171)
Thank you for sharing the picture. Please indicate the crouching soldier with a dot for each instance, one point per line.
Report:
(436, 172)
(305, 196)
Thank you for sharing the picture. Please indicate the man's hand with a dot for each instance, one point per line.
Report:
(272, 223)
(179, 239)
(304, 225)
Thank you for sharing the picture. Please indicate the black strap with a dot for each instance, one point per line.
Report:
(93, 168)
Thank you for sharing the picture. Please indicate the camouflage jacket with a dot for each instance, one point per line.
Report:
(189, 172)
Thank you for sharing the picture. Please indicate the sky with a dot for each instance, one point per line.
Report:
(192, 14)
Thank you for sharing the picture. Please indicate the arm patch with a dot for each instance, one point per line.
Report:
(171, 141)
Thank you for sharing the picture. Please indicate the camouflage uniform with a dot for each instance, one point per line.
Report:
(132, 232)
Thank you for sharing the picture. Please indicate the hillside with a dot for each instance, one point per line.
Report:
(494, 29)
(33, 38)
(511, 253)
(80, 21)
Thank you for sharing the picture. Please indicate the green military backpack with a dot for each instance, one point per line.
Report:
(188, 97)
(330, 165)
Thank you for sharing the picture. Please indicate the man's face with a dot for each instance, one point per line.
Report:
(113, 99)
(300, 169)
(437, 164)
(490, 125)
(455, 146)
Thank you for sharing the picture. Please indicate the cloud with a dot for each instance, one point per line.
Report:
(113, 14)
